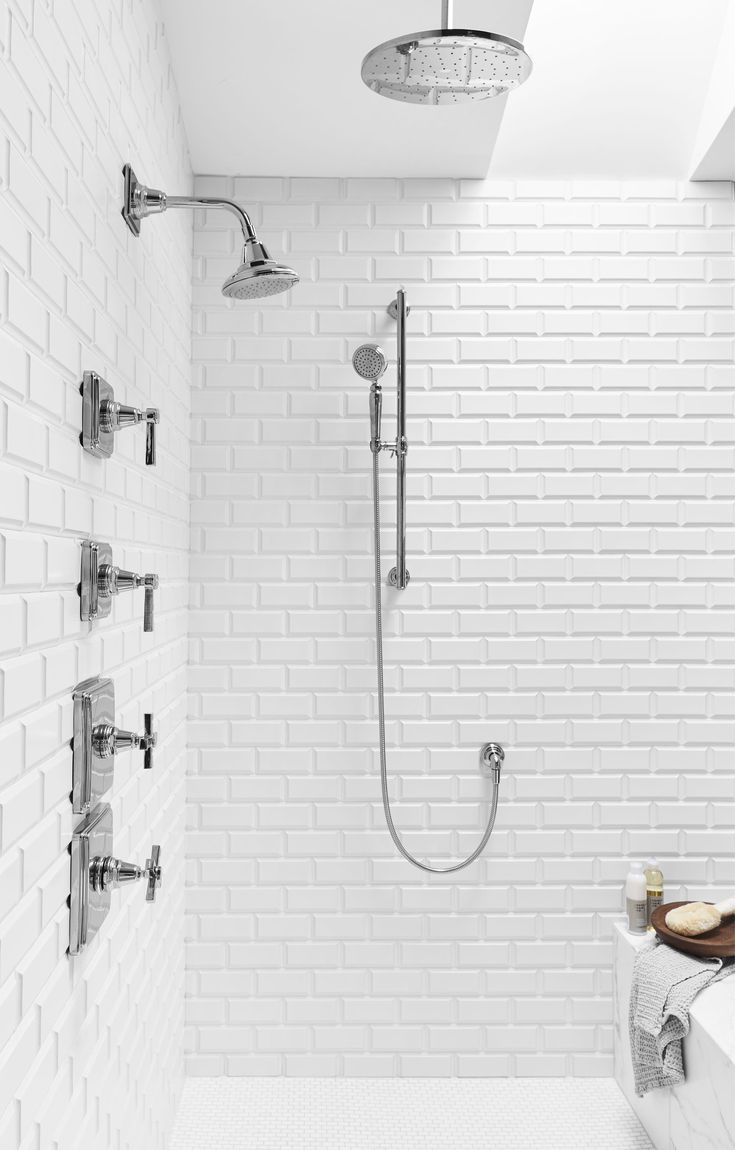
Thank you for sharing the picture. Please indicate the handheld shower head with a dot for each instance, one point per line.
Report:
(369, 361)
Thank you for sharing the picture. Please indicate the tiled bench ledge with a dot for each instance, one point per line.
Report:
(699, 1114)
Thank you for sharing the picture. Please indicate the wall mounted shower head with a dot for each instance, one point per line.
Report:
(369, 361)
(257, 276)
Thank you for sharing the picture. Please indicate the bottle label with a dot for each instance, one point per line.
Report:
(652, 902)
(636, 909)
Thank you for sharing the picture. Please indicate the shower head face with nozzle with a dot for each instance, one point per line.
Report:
(446, 66)
(369, 361)
(258, 275)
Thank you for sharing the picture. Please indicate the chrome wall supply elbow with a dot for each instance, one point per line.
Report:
(491, 758)
(258, 275)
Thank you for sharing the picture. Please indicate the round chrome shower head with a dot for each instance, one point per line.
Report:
(258, 275)
(369, 361)
(446, 66)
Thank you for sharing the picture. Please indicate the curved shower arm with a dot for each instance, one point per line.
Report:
(246, 223)
(141, 201)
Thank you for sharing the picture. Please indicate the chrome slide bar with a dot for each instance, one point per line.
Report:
(401, 576)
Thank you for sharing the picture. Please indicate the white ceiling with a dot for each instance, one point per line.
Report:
(617, 89)
(272, 87)
(713, 157)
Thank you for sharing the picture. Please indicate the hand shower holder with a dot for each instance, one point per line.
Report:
(393, 447)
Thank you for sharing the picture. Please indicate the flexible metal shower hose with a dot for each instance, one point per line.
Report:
(381, 714)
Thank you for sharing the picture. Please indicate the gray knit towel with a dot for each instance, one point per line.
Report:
(665, 984)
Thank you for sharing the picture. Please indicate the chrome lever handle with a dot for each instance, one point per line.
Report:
(112, 580)
(114, 416)
(151, 420)
(150, 583)
(103, 417)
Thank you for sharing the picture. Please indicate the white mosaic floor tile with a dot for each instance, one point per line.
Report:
(406, 1114)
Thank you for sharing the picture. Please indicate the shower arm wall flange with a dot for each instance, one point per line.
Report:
(140, 201)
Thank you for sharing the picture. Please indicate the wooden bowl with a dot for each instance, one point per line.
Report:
(717, 943)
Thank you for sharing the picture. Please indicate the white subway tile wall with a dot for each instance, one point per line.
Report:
(570, 541)
(91, 1049)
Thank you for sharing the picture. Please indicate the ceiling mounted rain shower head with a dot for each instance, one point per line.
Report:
(446, 65)
(257, 276)
(369, 361)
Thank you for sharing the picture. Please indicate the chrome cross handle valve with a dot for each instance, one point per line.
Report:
(108, 740)
(107, 872)
(101, 580)
(102, 416)
(95, 872)
(97, 740)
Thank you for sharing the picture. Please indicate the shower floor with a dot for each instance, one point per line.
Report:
(410, 1113)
